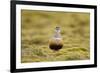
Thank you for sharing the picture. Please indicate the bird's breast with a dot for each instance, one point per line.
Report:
(55, 44)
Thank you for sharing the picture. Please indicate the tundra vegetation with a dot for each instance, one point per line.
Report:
(37, 27)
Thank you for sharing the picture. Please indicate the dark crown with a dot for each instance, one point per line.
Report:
(57, 28)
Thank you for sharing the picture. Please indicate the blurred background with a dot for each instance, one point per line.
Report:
(37, 27)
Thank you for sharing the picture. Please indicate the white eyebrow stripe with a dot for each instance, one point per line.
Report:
(57, 38)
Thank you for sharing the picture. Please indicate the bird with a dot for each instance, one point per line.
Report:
(56, 42)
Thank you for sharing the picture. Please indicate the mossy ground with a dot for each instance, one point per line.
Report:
(38, 27)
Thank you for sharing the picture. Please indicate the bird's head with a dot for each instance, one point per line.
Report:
(57, 29)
